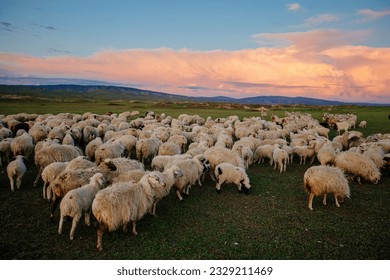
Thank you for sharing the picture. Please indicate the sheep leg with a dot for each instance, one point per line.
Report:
(124, 227)
(218, 187)
(154, 209)
(76, 219)
(134, 228)
(87, 217)
(60, 224)
(38, 176)
(55, 202)
(324, 200)
(336, 200)
(18, 182)
(99, 243)
(11, 181)
(310, 201)
(44, 190)
(179, 195)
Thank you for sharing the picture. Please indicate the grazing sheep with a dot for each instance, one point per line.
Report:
(363, 124)
(169, 149)
(121, 203)
(38, 132)
(305, 152)
(358, 165)
(325, 179)
(342, 126)
(229, 173)
(326, 154)
(79, 201)
(280, 158)
(192, 171)
(376, 153)
(109, 150)
(15, 171)
(91, 148)
(264, 151)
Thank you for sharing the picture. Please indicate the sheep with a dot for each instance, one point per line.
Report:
(73, 179)
(363, 124)
(68, 139)
(326, 154)
(49, 173)
(180, 140)
(22, 145)
(169, 149)
(92, 147)
(228, 173)
(38, 132)
(325, 179)
(280, 157)
(342, 126)
(115, 206)
(217, 155)
(5, 151)
(15, 171)
(130, 175)
(160, 162)
(79, 201)
(375, 152)
(264, 151)
(54, 153)
(359, 165)
(305, 152)
(109, 150)
(147, 148)
(80, 162)
(166, 180)
(192, 170)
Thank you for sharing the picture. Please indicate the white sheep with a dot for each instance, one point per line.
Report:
(363, 124)
(375, 152)
(73, 179)
(115, 206)
(109, 150)
(358, 165)
(92, 147)
(147, 148)
(342, 126)
(280, 158)
(5, 151)
(15, 171)
(325, 179)
(229, 173)
(79, 201)
(169, 149)
(54, 153)
(192, 171)
(326, 154)
(22, 145)
(264, 151)
(305, 152)
(49, 173)
(160, 162)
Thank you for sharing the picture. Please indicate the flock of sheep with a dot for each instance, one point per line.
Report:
(118, 166)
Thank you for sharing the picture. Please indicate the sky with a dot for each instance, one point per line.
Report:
(335, 50)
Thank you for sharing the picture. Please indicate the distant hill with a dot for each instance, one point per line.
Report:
(110, 92)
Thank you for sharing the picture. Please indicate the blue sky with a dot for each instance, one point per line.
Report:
(324, 49)
(84, 27)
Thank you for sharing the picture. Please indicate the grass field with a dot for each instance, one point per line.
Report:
(272, 222)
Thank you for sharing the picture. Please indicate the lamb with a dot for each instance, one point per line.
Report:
(229, 173)
(54, 153)
(73, 179)
(359, 165)
(15, 171)
(192, 170)
(280, 158)
(305, 152)
(79, 201)
(325, 179)
(115, 206)
(147, 148)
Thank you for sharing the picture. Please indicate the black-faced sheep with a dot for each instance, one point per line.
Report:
(325, 179)
(229, 173)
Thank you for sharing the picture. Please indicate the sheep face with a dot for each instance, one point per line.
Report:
(110, 164)
(244, 186)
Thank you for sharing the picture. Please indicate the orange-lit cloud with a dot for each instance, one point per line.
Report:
(309, 66)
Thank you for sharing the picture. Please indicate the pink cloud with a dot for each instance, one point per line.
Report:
(294, 7)
(358, 73)
(372, 15)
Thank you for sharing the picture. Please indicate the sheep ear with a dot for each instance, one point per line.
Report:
(219, 171)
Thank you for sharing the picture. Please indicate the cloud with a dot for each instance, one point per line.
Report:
(359, 73)
(313, 40)
(7, 26)
(373, 15)
(57, 51)
(319, 20)
(294, 7)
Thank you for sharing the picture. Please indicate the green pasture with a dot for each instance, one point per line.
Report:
(271, 222)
